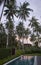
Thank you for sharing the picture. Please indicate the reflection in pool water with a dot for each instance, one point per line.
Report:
(26, 57)
(24, 60)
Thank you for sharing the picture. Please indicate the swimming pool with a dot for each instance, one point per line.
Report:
(22, 60)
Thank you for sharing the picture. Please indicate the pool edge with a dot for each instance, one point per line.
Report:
(11, 60)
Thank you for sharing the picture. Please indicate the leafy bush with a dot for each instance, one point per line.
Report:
(4, 52)
(36, 50)
(30, 50)
(27, 50)
(19, 52)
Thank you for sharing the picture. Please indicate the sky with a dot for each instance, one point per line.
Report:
(35, 5)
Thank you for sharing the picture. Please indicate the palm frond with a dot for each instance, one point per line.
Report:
(24, 11)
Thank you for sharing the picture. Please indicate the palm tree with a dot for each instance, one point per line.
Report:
(20, 31)
(27, 32)
(7, 3)
(9, 27)
(33, 21)
(37, 30)
(35, 26)
(2, 2)
(33, 37)
(24, 11)
(11, 10)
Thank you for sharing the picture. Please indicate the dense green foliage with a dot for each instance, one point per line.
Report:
(4, 52)
(8, 52)
(20, 29)
(31, 50)
(36, 29)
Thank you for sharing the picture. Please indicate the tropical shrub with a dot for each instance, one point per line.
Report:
(4, 52)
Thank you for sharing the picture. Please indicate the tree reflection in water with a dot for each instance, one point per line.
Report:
(27, 60)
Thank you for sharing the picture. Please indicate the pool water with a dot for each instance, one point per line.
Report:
(23, 60)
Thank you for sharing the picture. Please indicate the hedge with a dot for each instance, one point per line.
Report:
(4, 52)
(30, 50)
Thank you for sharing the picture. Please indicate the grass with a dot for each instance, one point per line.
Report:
(35, 54)
(4, 60)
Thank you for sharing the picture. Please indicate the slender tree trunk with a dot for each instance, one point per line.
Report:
(2, 9)
(23, 43)
(19, 43)
(23, 38)
(7, 41)
(38, 38)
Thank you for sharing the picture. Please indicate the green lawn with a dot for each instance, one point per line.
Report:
(35, 54)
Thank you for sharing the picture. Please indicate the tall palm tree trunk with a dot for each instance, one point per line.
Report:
(38, 38)
(2, 9)
(23, 43)
(7, 41)
(23, 38)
